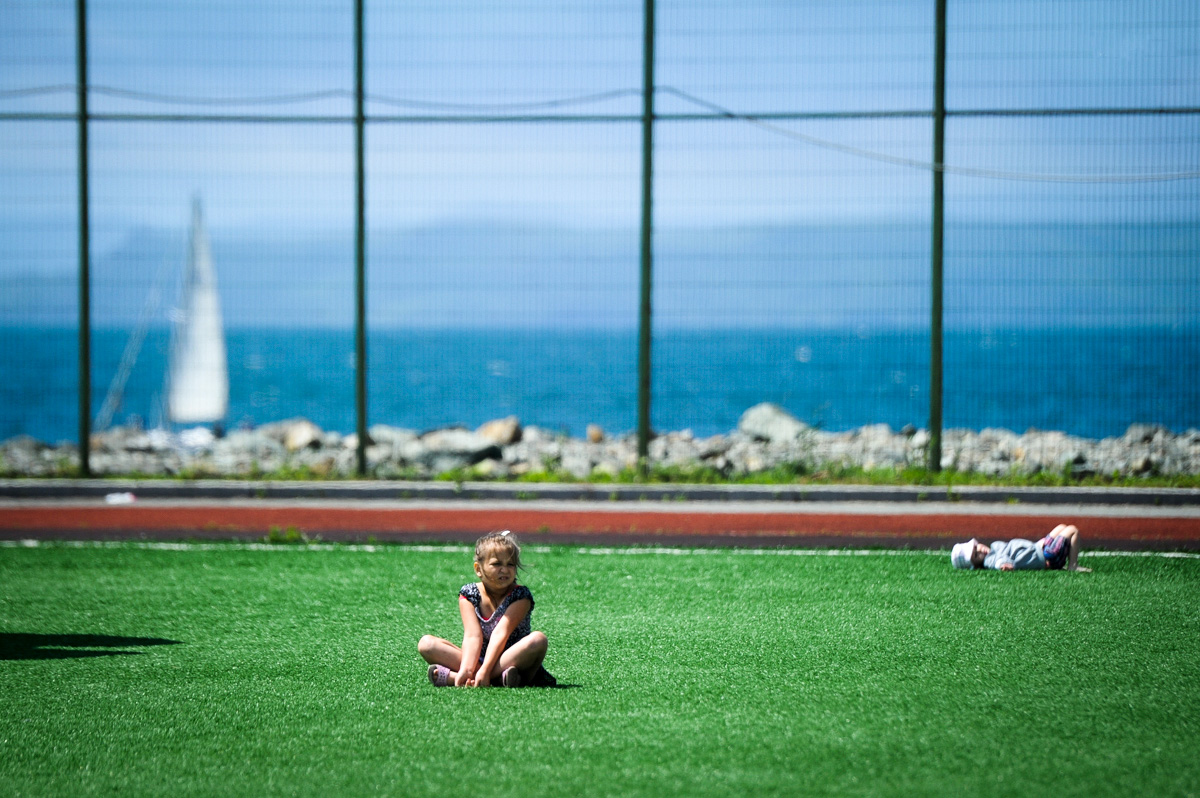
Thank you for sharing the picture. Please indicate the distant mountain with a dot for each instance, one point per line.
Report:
(487, 274)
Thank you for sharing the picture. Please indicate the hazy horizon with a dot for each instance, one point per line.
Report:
(767, 276)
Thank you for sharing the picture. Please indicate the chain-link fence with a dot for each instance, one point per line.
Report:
(790, 220)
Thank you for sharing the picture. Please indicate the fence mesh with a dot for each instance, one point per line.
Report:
(503, 273)
(772, 283)
(791, 207)
(1072, 305)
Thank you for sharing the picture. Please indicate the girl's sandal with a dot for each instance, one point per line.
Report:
(439, 675)
(511, 677)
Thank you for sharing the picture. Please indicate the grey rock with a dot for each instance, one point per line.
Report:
(345, 462)
(577, 464)
(712, 447)
(501, 431)
(397, 452)
(23, 446)
(607, 468)
(411, 452)
(875, 432)
(770, 422)
(1144, 433)
(382, 433)
(536, 435)
(254, 445)
(277, 430)
(448, 449)
(301, 435)
(994, 468)
(378, 454)
(489, 469)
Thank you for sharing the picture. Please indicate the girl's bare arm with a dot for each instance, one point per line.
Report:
(513, 616)
(471, 645)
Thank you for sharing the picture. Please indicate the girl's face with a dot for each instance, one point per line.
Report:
(498, 570)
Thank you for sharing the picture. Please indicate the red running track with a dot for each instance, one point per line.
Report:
(598, 526)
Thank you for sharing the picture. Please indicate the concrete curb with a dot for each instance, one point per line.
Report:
(508, 491)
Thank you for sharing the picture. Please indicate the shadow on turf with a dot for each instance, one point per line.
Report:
(26, 646)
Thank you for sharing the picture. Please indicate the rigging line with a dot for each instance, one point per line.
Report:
(965, 171)
(133, 346)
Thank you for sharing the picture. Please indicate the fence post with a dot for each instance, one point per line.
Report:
(85, 292)
(644, 316)
(360, 241)
(934, 456)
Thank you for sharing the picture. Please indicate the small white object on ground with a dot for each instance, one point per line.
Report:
(120, 498)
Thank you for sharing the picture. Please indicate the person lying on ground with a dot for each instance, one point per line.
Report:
(1056, 551)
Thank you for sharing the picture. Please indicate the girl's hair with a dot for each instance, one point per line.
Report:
(498, 540)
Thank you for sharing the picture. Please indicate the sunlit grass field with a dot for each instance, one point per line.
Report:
(292, 670)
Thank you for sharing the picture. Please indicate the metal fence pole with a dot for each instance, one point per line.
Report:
(934, 461)
(644, 317)
(360, 240)
(85, 310)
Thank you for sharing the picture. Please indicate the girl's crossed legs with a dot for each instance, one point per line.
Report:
(526, 655)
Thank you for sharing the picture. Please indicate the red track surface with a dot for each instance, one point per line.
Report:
(582, 525)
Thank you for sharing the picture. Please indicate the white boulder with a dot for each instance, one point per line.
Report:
(770, 422)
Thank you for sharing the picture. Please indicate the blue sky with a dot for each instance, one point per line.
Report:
(757, 57)
(295, 181)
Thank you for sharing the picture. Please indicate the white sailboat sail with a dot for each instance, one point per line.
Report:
(198, 387)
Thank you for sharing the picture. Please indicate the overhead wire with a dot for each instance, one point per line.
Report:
(915, 163)
(718, 111)
(288, 99)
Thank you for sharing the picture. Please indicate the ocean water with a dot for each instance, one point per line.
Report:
(1089, 382)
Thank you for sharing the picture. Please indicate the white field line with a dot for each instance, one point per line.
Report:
(590, 551)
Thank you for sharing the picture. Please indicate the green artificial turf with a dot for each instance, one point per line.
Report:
(294, 671)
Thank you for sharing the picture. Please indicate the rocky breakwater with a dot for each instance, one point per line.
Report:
(767, 437)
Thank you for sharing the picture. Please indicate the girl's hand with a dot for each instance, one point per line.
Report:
(483, 679)
(463, 678)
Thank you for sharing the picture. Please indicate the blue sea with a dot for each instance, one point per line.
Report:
(1089, 382)
(1081, 327)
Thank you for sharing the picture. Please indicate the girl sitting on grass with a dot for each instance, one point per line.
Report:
(498, 647)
